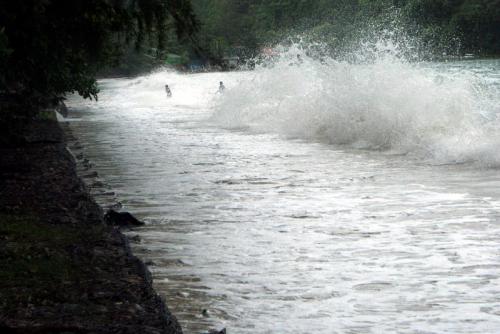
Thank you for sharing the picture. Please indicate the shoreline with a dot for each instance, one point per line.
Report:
(62, 268)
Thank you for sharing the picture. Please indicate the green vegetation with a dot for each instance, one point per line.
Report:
(451, 26)
(51, 47)
(36, 259)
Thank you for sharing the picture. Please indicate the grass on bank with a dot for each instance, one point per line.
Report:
(37, 260)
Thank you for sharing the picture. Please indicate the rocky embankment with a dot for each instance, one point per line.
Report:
(62, 268)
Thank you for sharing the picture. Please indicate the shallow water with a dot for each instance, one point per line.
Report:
(284, 209)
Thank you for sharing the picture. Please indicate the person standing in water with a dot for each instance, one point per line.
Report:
(221, 87)
(169, 92)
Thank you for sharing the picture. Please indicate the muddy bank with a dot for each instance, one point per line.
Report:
(62, 269)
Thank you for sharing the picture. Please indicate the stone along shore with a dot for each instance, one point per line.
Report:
(62, 268)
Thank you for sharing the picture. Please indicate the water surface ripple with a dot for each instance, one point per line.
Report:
(280, 235)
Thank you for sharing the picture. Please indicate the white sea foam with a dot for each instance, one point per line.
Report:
(447, 113)
(282, 236)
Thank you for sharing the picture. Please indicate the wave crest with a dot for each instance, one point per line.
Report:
(447, 112)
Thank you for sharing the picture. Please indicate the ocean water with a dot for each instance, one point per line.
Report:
(311, 196)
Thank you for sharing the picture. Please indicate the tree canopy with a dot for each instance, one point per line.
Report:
(50, 47)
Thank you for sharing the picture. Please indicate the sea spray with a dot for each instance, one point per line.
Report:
(305, 229)
(380, 101)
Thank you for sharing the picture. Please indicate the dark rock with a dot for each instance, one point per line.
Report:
(105, 193)
(90, 175)
(122, 219)
(62, 109)
(216, 331)
(97, 184)
(43, 131)
(117, 206)
(135, 239)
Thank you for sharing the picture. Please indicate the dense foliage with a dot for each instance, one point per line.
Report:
(451, 26)
(50, 47)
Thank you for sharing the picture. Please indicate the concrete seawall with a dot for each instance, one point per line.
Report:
(62, 269)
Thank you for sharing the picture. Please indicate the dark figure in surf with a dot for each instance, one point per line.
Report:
(169, 92)
(297, 62)
(221, 87)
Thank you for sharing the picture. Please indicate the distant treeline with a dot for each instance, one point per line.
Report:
(51, 47)
(441, 26)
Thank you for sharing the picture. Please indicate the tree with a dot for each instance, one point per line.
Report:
(437, 26)
(51, 47)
